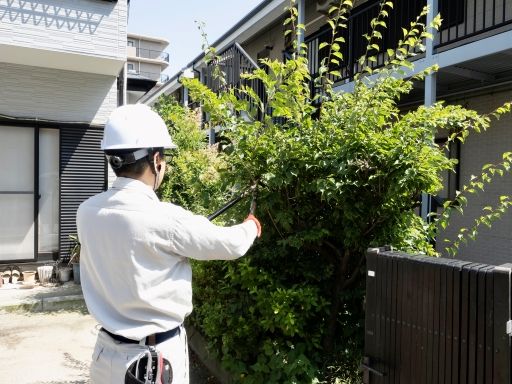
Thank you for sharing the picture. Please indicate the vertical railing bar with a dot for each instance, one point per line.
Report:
(493, 22)
(484, 12)
(504, 10)
(448, 10)
(350, 41)
(474, 15)
(466, 12)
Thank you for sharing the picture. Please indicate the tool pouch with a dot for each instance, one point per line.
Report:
(149, 368)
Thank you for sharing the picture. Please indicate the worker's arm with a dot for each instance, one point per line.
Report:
(196, 237)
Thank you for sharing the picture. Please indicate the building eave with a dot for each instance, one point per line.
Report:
(155, 39)
(263, 15)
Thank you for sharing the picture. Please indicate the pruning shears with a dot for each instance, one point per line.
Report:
(252, 190)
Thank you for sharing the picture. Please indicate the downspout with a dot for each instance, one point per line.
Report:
(430, 90)
(301, 20)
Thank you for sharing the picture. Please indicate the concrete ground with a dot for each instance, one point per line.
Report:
(46, 347)
(47, 337)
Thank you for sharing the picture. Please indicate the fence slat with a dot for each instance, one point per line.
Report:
(437, 309)
(489, 327)
(436, 321)
(501, 316)
(473, 321)
(429, 267)
(395, 336)
(450, 271)
(370, 307)
(464, 323)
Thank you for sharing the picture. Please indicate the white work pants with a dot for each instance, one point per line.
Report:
(111, 358)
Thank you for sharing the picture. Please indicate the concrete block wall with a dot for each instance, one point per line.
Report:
(493, 246)
(89, 27)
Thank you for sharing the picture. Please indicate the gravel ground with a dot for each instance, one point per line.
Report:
(56, 347)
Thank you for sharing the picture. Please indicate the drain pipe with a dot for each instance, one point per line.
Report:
(301, 19)
(187, 74)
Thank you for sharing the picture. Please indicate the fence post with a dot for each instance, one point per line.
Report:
(372, 314)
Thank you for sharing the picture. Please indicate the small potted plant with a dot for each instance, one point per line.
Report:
(74, 257)
(64, 273)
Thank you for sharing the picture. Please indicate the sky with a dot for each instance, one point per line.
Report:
(174, 20)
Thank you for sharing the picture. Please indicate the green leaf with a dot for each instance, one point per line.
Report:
(323, 45)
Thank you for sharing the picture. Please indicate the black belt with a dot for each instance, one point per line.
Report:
(159, 337)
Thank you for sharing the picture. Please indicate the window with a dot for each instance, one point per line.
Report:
(28, 186)
(48, 225)
(131, 43)
(17, 193)
(131, 67)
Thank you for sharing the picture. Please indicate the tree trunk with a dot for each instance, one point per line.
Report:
(339, 283)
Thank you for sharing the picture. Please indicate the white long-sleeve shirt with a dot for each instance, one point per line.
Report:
(134, 260)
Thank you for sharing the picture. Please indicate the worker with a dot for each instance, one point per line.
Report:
(136, 250)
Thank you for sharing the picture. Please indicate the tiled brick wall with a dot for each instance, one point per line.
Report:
(493, 246)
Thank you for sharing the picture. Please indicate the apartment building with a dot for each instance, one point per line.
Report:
(147, 60)
(61, 66)
(473, 50)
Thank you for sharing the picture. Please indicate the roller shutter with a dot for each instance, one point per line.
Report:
(83, 174)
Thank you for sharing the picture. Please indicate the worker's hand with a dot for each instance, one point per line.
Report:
(256, 221)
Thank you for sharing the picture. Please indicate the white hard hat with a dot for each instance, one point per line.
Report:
(135, 126)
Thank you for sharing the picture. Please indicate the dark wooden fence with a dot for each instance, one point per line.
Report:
(433, 320)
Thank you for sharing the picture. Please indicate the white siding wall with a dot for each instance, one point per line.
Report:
(46, 93)
(493, 245)
(89, 27)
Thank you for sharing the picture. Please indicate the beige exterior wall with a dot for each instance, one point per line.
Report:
(272, 37)
(493, 246)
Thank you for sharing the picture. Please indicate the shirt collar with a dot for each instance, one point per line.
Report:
(121, 183)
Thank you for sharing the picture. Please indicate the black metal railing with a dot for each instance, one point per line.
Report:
(152, 54)
(355, 46)
(435, 320)
(467, 18)
(233, 62)
(160, 77)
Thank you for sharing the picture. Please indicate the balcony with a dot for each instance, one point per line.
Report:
(233, 62)
(358, 24)
(141, 81)
(462, 20)
(158, 77)
(152, 54)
